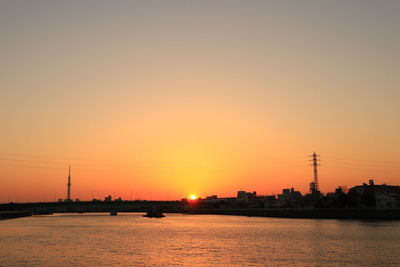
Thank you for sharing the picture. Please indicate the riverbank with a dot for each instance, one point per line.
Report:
(14, 214)
(345, 213)
(15, 210)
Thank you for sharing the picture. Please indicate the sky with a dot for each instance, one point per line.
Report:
(164, 99)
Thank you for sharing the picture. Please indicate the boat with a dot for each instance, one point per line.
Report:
(113, 213)
(154, 213)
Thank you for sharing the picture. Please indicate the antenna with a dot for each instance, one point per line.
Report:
(69, 184)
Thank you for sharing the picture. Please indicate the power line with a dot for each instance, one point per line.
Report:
(56, 168)
(363, 164)
(358, 160)
(356, 168)
(49, 157)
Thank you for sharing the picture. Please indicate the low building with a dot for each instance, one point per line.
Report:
(290, 198)
(244, 194)
(272, 202)
(372, 195)
(386, 200)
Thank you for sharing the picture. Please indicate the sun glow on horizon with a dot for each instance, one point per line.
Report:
(193, 197)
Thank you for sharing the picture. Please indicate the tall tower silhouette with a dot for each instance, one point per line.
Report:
(314, 186)
(69, 185)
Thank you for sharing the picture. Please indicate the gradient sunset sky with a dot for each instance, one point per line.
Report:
(163, 99)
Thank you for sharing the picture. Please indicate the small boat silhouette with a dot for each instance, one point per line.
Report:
(154, 213)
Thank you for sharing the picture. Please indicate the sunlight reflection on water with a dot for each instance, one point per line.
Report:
(204, 240)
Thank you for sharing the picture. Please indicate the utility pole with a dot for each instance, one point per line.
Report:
(314, 186)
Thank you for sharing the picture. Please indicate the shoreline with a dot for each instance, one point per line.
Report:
(5, 215)
(339, 214)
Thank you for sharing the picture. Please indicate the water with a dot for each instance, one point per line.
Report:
(195, 240)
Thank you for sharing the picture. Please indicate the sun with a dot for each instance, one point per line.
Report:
(193, 197)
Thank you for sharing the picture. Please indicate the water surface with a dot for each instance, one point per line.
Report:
(195, 240)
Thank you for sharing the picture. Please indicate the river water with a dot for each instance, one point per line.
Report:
(196, 240)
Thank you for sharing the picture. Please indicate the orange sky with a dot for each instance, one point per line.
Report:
(163, 99)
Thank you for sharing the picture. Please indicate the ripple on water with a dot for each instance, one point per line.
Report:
(190, 240)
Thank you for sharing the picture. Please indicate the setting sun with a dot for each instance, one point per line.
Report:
(193, 197)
